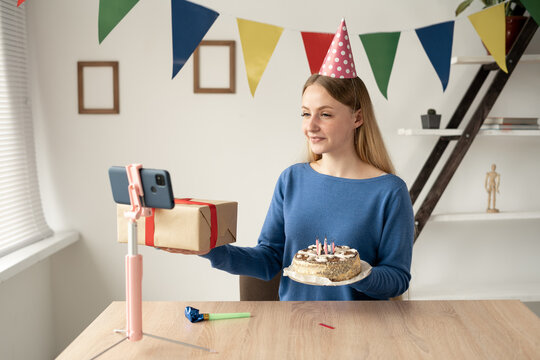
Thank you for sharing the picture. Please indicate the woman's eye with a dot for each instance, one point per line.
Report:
(325, 115)
(304, 114)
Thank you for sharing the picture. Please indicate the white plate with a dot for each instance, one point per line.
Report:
(322, 281)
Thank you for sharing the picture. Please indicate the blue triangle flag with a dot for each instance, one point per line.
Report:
(437, 42)
(190, 22)
(111, 12)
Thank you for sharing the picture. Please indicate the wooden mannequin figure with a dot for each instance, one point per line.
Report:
(493, 180)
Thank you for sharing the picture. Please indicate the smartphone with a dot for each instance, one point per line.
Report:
(156, 185)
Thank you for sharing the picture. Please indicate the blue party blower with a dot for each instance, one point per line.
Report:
(194, 316)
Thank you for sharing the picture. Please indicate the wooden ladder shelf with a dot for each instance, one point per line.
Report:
(470, 131)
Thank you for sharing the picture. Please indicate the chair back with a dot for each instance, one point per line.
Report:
(253, 289)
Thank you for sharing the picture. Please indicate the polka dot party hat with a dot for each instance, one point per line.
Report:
(339, 62)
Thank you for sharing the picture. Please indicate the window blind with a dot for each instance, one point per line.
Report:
(21, 216)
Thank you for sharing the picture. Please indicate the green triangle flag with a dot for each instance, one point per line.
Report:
(381, 51)
(533, 7)
(110, 14)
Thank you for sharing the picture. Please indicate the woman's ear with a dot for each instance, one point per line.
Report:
(359, 119)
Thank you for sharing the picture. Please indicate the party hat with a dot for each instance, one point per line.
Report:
(339, 62)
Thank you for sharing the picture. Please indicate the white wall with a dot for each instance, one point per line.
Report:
(26, 316)
(234, 146)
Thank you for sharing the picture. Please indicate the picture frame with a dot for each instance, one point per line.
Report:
(92, 102)
(197, 71)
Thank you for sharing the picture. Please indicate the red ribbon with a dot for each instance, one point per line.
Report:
(149, 227)
(150, 224)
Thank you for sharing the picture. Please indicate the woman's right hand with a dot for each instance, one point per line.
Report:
(182, 251)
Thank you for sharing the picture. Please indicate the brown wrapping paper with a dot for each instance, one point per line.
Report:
(185, 226)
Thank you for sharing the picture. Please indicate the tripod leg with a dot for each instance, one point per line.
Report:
(180, 342)
(109, 348)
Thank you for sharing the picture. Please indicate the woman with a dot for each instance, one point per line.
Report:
(346, 192)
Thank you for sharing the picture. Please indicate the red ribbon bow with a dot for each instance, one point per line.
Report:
(150, 224)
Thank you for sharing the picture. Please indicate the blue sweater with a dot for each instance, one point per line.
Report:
(374, 216)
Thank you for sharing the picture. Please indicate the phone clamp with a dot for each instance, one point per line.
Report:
(136, 194)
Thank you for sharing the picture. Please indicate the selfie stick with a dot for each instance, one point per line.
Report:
(133, 259)
(134, 263)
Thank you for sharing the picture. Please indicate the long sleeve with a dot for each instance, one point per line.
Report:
(263, 261)
(390, 275)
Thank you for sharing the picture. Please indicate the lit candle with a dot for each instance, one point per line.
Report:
(318, 246)
(325, 247)
(333, 248)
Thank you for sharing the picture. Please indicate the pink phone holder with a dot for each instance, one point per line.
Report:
(133, 259)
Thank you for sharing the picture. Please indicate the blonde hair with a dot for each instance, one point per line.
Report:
(368, 141)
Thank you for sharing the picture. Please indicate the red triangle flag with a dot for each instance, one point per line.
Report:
(316, 45)
(19, 2)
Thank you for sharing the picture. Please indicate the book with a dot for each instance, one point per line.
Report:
(496, 120)
(509, 127)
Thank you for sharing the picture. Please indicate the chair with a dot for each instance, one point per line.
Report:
(253, 289)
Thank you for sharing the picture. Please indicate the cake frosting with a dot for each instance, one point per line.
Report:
(340, 263)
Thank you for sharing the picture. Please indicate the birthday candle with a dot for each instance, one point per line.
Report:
(318, 246)
(325, 247)
(333, 248)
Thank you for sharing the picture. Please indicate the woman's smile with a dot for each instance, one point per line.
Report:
(316, 139)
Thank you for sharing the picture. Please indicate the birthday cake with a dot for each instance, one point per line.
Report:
(336, 263)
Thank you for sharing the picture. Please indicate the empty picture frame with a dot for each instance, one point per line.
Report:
(213, 70)
(98, 87)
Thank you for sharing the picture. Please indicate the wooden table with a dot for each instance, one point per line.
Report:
(291, 330)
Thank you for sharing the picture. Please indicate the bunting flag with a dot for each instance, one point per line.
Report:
(19, 2)
(190, 22)
(381, 51)
(490, 24)
(110, 14)
(533, 7)
(437, 43)
(258, 43)
(316, 46)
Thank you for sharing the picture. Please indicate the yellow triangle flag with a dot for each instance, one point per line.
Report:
(490, 24)
(258, 43)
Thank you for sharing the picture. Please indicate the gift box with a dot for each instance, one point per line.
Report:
(192, 225)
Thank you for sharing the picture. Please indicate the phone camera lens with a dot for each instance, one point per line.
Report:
(160, 180)
(153, 189)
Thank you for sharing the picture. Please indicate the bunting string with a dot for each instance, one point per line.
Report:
(191, 22)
